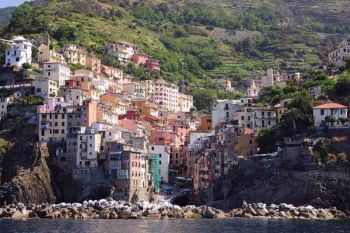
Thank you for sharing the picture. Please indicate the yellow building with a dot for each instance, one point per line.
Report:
(47, 55)
(52, 126)
(144, 107)
(74, 55)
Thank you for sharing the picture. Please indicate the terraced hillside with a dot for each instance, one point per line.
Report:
(224, 38)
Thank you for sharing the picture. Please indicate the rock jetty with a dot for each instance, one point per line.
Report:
(110, 209)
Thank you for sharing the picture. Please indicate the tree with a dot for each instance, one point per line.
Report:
(342, 87)
(271, 95)
(299, 116)
(347, 64)
(267, 140)
(322, 150)
(203, 99)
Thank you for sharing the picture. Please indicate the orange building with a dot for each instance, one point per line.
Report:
(246, 142)
(205, 124)
(88, 113)
(144, 107)
(93, 63)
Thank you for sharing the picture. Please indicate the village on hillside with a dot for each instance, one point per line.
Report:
(145, 138)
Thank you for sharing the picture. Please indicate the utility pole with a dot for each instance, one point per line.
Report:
(182, 86)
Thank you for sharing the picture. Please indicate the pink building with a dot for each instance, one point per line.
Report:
(163, 137)
(88, 115)
(166, 95)
(71, 84)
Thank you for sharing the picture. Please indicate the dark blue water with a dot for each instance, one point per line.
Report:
(177, 225)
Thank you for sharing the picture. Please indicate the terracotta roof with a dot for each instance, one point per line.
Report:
(329, 106)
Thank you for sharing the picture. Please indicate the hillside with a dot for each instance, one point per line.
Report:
(6, 14)
(228, 38)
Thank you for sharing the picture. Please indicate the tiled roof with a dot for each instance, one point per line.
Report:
(329, 106)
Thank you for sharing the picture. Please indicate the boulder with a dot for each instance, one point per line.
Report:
(45, 212)
(236, 212)
(262, 211)
(125, 214)
(209, 213)
(191, 214)
(324, 214)
(104, 215)
(113, 215)
(20, 214)
(153, 214)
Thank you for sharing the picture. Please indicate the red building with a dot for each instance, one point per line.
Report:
(140, 59)
(71, 83)
(153, 65)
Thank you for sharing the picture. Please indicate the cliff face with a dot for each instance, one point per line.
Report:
(25, 176)
(249, 183)
(29, 187)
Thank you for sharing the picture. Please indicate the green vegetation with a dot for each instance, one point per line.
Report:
(180, 31)
(6, 14)
(186, 36)
(298, 118)
(322, 150)
(30, 100)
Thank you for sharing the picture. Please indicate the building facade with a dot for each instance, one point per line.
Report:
(56, 71)
(333, 115)
(19, 52)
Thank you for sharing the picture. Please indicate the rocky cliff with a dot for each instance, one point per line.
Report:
(25, 176)
(29, 186)
(248, 181)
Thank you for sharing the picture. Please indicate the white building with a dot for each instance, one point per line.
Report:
(74, 96)
(148, 88)
(263, 118)
(339, 56)
(56, 71)
(134, 88)
(4, 102)
(19, 52)
(332, 114)
(224, 111)
(122, 50)
(166, 95)
(45, 87)
(88, 148)
(253, 88)
(164, 160)
(243, 117)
